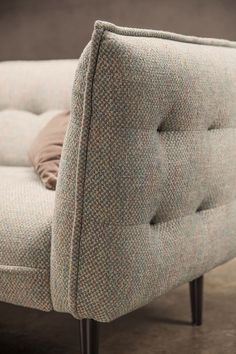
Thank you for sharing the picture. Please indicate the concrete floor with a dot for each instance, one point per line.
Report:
(162, 327)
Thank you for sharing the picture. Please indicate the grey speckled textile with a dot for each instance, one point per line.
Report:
(147, 185)
(31, 93)
(26, 210)
(147, 182)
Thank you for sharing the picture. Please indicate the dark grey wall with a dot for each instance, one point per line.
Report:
(41, 29)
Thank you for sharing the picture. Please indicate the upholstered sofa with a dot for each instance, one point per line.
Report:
(145, 199)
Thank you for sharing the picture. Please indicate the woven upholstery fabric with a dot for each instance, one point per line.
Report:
(17, 132)
(147, 185)
(36, 86)
(31, 93)
(26, 210)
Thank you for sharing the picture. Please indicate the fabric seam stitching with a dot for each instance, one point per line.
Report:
(91, 66)
(145, 33)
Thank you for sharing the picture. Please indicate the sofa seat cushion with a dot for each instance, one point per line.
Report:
(26, 210)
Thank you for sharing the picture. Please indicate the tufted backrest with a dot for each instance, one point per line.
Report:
(149, 168)
(31, 93)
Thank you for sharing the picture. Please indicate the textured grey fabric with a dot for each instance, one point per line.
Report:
(36, 86)
(17, 132)
(31, 93)
(147, 185)
(26, 210)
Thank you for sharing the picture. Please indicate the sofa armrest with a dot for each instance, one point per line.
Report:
(142, 195)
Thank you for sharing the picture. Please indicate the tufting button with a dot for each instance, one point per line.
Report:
(211, 127)
(160, 128)
(200, 208)
(154, 220)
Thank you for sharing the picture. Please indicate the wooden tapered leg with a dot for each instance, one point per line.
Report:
(196, 295)
(88, 336)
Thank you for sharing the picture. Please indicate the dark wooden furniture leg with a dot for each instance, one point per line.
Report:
(89, 336)
(196, 295)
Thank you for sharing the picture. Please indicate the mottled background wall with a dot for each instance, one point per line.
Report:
(41, 29)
